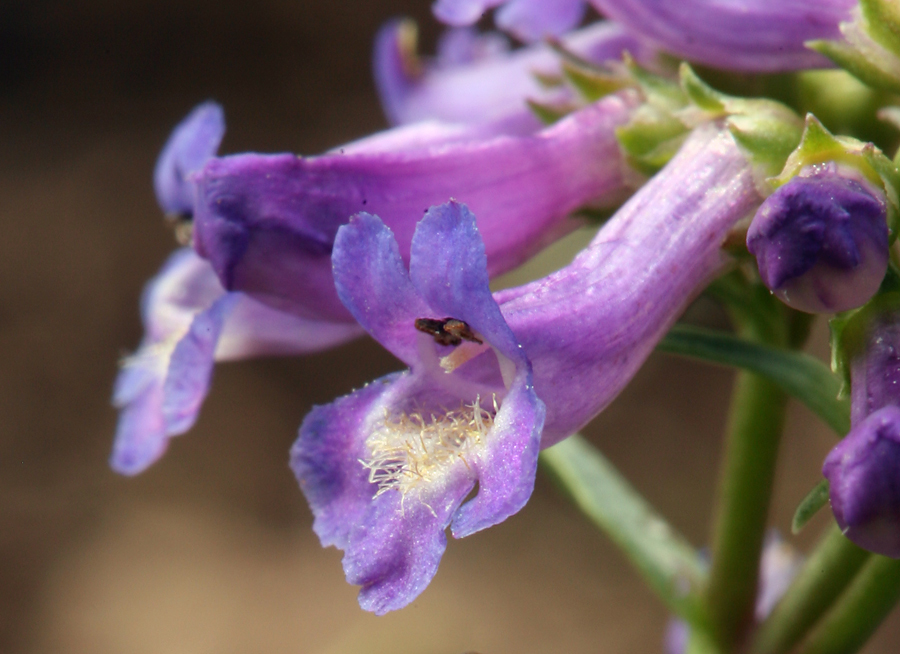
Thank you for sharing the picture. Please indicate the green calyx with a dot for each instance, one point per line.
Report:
(818, 146)
(870, 49)
(849, 330)
(767, 130)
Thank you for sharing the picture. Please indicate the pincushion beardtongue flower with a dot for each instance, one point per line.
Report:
(585, 331)
(386, 469)
(267, 222)
(466, 86)
(190, 321)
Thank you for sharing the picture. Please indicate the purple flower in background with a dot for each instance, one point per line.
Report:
(190, 322)
(194, 140)
(778, 567)
(476, 80)
(864, 487)
(864, 484)
(385, 468)
(747, 35)
(528, 20)
(821, 240)
(267, 222)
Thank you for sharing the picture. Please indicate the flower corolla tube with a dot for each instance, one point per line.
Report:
(745, 35)
(492, 379)
(267, 223)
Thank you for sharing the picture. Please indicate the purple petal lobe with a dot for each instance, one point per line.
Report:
(194, 140)
(865, 487)
(373, 283)
(141, 433)
(531, 20)
(190, 367)
(461, 12)
(821, 243)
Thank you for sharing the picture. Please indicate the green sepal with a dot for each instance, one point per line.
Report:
(857, 64)
(651, 138)
(810, 506)
(549, 113)
(593, 83)
(766, 130)
(882, 20)
(818, 145)
(850, 328)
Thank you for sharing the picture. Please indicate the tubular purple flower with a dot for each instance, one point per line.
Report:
(468, 88)
(190, 322)
(194, 140)
(747, 35)
(385, 468)
(267, 222)
(528, 20)
(821, 240)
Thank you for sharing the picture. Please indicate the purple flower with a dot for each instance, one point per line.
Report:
(748, 35)
(821, 240)
(875, 364)
(778, 567)
(476, 80)
(194, 140)
(528, 20)
(190, 322)
(267, 222)
(386, 468)
(864, 484)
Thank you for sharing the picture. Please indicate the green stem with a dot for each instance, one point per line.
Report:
(859, 610)
(745, 489)
(827, 572)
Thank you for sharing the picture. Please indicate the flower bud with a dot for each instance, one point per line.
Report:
(865, 487)
(821, 240)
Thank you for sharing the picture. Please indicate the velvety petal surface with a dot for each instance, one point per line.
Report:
(747, 35)
(194, 140)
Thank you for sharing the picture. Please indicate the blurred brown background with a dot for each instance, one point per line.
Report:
(211, 550)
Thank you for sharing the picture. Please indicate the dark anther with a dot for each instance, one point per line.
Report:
(448, 331)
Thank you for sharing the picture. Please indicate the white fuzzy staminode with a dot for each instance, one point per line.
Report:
(408, 450)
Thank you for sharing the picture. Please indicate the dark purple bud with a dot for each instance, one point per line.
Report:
(821, 241)
(865, 485)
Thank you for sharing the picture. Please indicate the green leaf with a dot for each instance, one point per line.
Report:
(810, 505)
(800, 375)
(665, 559)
